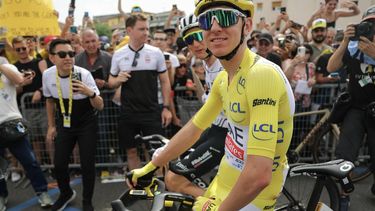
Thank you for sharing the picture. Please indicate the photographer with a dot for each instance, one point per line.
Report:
(357, 51)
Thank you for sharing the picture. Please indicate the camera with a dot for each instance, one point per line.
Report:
(166, 56)
(366, 29)
(301, 51)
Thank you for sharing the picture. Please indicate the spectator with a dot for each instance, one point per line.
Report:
(265, 48)
(160, 41)
(21, 149)
(47, 63)
(34, 112)
(331, 33)
(98, 62)
(319, 34)
(31, 42)
(182, 78)
(328, 12)
(136, 67)
(251, 43)
(301, 69)
(72, 103)
(3, 59)
(359, 57)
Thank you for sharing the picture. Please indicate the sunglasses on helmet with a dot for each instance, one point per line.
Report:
(196, 35)
(224, 17)
(63, 54)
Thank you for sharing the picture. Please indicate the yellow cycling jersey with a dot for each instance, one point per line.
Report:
(259, 105)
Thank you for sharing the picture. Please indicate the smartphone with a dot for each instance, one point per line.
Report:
(77, 76)
(355, 2)
(301, 51)
(86, 14)
(166, 56)
(174, 6)
(281, 41)
(282, 9)
(74, 29)
(333, 75)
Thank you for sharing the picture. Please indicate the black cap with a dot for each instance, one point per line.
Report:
(369, 13)
(266, 36)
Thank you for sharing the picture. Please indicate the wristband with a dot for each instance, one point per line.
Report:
(166, 106)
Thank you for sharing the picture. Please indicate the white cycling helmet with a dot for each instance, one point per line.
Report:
(187, 23)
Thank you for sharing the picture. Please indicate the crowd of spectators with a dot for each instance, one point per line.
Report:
(301, 50)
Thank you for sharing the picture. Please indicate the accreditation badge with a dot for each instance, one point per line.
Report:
(67, 121)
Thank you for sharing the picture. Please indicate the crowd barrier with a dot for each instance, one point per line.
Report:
(108, 153)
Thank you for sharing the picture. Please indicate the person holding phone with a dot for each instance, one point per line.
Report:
(137, 68)
(359, 59)
(72, 104)
(328, 11)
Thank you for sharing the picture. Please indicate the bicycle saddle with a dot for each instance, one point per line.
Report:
(337, 168)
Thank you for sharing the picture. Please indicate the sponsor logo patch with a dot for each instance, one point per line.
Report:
(265, 101)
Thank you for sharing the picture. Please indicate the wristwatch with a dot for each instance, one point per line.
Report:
(93, 96)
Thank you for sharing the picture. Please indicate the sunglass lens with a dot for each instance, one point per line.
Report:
(71, 54)
(225, 18)
(189, 39)
(62, 54)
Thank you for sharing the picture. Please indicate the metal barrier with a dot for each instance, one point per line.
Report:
(108, 152)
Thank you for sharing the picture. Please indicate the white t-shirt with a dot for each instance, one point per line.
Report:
(8, 97)
(211, 73)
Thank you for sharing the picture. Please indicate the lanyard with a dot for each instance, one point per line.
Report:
(62, 107)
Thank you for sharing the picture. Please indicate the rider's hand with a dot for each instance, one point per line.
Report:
(146, 172)
(204, 203)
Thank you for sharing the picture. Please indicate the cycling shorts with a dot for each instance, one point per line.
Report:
(207, 154)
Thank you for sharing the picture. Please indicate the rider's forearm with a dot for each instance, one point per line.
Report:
(258, 170)
(182, 141)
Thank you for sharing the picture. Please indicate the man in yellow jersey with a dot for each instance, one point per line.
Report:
(259, 105)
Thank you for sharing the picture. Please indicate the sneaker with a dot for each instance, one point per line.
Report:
(63, 200)
(344, 203)
(3, 202)
(45, 200)
(15, 176)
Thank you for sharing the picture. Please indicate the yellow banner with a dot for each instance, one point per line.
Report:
(27, 17)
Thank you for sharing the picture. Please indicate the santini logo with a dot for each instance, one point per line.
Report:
(267, 101)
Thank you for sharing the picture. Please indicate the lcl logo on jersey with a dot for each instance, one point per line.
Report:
(262, 132)
(235, 107)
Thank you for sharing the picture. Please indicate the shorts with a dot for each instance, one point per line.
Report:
(207, 154)
(128, 130)
(37, 122)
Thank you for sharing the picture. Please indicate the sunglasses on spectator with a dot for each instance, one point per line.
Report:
(196, 35)
(63, 54)
(135, 62)
(160, 39)
(182, 65)
(319, 30)
(20, 49)
(224, 17)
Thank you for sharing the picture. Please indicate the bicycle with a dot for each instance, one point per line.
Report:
(322, 139)
(310, 187)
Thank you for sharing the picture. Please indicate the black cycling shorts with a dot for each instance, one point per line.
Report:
(207, 154)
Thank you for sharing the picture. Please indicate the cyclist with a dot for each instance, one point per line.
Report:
(210, 146)
(259, 105)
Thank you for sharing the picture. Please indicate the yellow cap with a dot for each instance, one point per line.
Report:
(319, 23)
(245, 6)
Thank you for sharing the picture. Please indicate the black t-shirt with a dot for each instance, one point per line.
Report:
(275, 58)
(321, 67)
(33, 66)
(361, 81)
(180, 81)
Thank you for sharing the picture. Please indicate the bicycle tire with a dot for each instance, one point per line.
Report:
(323, 151)
(300, 187)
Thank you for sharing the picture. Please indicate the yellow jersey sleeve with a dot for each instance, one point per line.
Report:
(212, 107)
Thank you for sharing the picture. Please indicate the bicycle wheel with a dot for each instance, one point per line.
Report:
(324, 145)
(298, 192)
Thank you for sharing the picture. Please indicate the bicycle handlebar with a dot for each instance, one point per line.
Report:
(160, 199)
